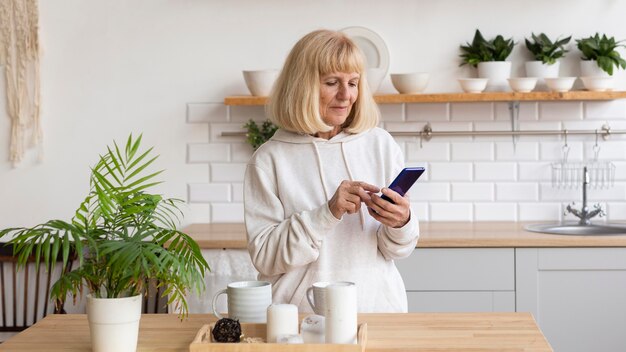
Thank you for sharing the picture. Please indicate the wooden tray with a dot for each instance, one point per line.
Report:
(203, 342)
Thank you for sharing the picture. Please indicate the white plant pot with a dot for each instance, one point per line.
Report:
(114, 323)
(497, 72)
(540, 70)
(590, 68)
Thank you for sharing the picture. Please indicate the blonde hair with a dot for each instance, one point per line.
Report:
(295, 97)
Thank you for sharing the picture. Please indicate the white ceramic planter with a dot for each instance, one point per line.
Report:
(540, 70)
(497, 72)
(114, 323)
(590, 68)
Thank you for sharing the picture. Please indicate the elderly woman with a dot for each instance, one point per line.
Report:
(311, 209)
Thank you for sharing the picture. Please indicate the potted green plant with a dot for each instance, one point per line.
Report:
(489, 56)
(123, 237)
(546, 54)
(600, 55)
(255, 135)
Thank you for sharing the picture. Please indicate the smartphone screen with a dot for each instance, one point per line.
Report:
(405, 179)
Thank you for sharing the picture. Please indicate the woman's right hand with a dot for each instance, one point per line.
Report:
(348, 197)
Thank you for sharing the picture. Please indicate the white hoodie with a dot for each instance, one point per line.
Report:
(293, 238)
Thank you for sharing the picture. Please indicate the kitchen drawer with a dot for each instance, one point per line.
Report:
(459, 269)
(461, 301)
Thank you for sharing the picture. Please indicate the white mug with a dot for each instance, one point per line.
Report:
(341, 313)
(315, 296)
(247, 301)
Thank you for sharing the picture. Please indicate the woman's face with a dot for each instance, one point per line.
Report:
(338, 92)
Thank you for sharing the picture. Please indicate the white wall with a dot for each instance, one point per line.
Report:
(163, 68)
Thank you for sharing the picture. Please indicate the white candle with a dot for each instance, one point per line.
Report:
(282, 319)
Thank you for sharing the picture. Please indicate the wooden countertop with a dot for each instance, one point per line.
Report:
(433, 235)
(386, 332)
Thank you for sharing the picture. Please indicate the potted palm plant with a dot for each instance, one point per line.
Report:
(546, 54)
(600, 55)
(489, 56)
(123, 237)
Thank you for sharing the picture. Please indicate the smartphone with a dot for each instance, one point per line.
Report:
(405, 179)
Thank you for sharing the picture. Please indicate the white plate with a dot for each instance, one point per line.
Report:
(372, 45)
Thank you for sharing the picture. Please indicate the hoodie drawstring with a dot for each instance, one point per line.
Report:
(321, 168)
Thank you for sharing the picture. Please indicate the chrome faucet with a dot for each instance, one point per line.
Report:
(584, 214)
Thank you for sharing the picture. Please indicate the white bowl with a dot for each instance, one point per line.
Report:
(375, 77)
(598, 83)
(410, 83)
(260, 82)
(560, 84)
(473, 85)
(523, 84)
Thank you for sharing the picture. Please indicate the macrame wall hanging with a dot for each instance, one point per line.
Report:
(19, 55)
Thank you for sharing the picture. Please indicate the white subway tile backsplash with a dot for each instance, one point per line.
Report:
(226, 212)
(237, 189)
(506, 151)
(427, 112)
(207, 152)
(539, 211)
(427, 151)
(243, 114)
(241, 152)
(451, 126)
(206, 112)
(502, 171)
(471, 111)
(391, 112)
(495, 212)
(472, 191)
(430, 191)
(493, 126)
(555, 151)
(197, 213)
(611, 151)
(482, 178)
(550, 193)
(451, 212)
(218, 128)
(536, 171)
(404, 127)
(528, 111)
(598, 194)
(616, 211)
(233, 172)
(451, 171)
(539, 126)
(472, 151)
(517, 191)
(420, 210)
(612, 109)
(208, 192)
(559, 111)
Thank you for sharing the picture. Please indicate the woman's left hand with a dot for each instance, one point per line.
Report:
(387, 213)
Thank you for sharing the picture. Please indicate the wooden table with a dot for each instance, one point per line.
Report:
(386, 332)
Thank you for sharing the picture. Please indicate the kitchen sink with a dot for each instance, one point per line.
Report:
(578, 230)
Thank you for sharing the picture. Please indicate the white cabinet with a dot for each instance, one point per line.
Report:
(577, 295)
(460, 279)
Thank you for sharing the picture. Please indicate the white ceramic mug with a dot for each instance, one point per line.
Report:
(247, 301)
(341, 313)
(315, 296)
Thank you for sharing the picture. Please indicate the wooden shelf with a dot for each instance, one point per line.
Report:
(461, 97)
